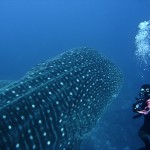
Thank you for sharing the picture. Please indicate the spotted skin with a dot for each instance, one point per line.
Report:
(4, 83)
(58, 102)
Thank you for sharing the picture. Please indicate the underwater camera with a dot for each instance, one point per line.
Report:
(139, 105)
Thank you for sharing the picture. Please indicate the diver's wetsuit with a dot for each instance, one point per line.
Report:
(144, 131)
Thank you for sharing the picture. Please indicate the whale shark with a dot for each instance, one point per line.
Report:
(58, 102)
(4, 83)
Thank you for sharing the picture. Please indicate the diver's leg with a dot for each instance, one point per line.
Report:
(144, 137)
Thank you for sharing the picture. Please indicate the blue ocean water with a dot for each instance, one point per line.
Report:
(33, 31)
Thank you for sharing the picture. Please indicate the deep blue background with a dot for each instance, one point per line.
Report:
(33, 31)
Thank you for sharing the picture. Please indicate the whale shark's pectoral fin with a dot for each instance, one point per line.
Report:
(75, 145)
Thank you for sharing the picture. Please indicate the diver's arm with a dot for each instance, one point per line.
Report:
(146, 110)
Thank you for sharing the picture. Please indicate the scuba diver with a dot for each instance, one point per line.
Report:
(142, 107)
